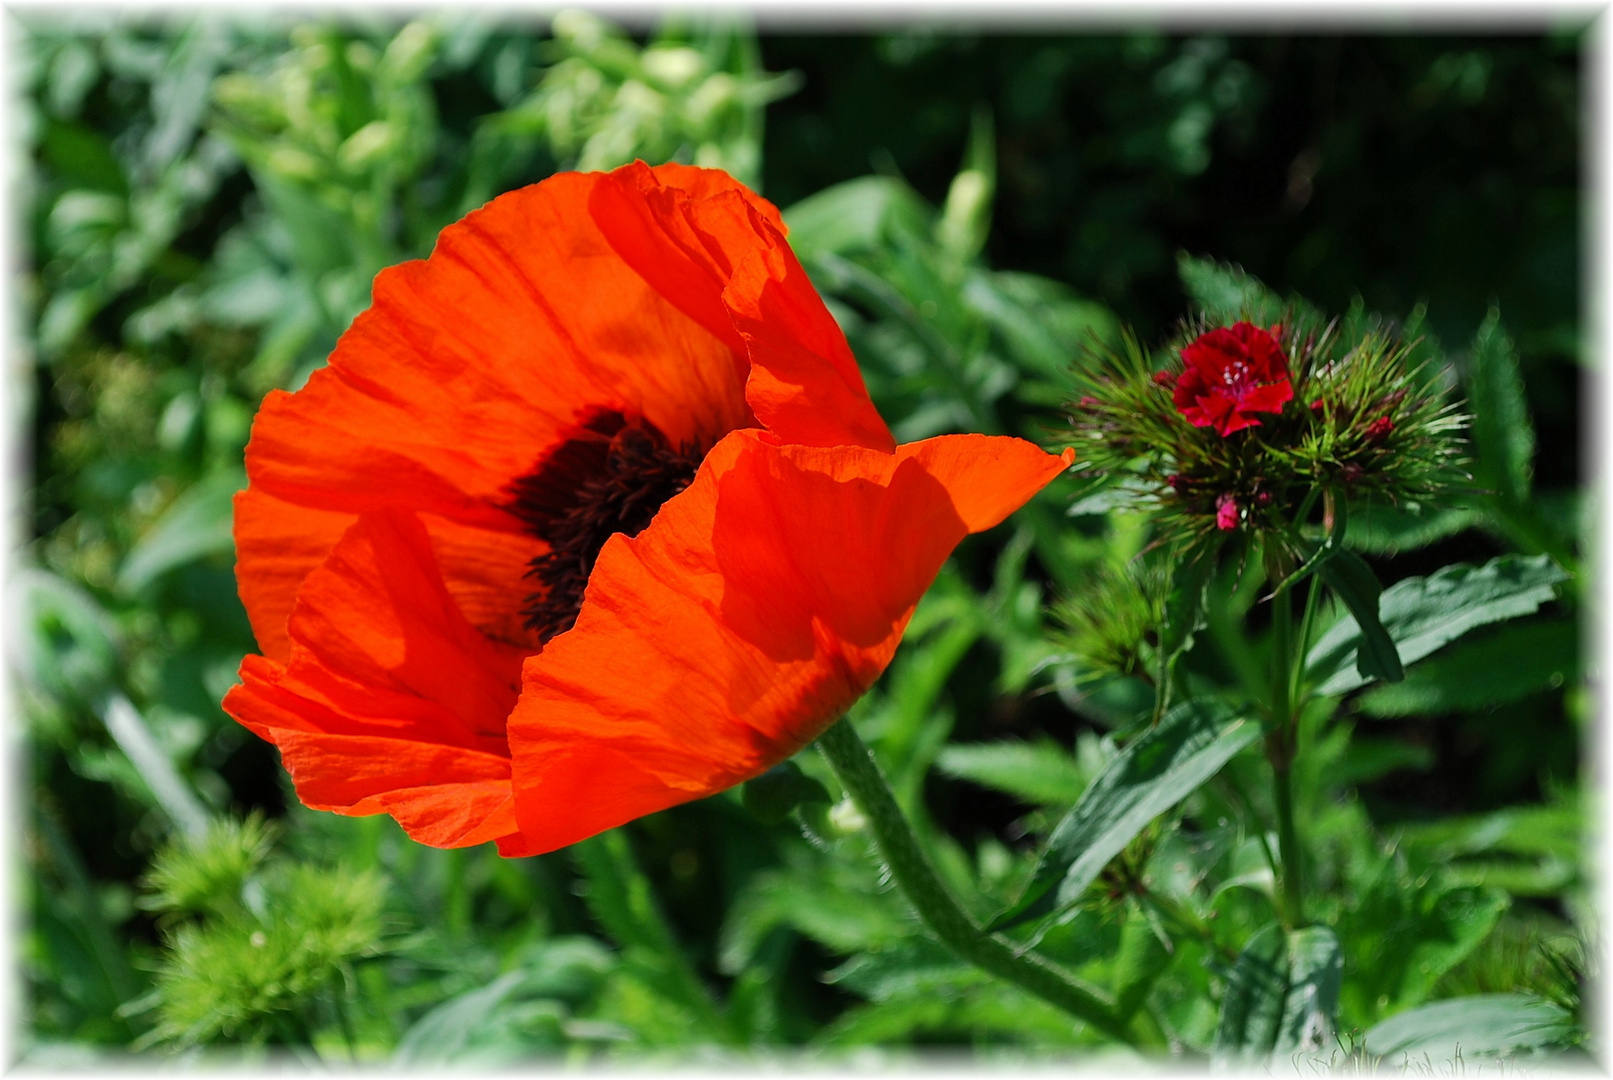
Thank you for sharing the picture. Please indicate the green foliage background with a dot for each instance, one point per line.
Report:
(205, 202)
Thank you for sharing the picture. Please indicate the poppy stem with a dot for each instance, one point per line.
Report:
(860, 775)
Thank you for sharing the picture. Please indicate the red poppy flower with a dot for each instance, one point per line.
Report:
(1230, 375)
(589, 515)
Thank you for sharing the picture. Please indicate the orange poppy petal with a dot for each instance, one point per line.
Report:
(278, 544)
(388, 692)
(722, 258)
(756, 607)
(470, 364)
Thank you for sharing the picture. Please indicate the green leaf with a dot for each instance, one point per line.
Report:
(1376, 529)
(1505, 666)
(494, 1024)
(128, 728)
(1403, 932)
(1503, 438)
(1481, 1025)
(1422, 614)
(917, 966)
(989, 1012)
(1151, 775)
(834, 907)
(1142, 958)
(68, 644)
(1557, 828)
(772, 795)
(1226, 293)
(1354, 582)
(1281, 997)
(857, 215)
(1040, 773)
(1365, 760)
(198, 524)
(1042, 322)
(622, 899)
(1184, 604)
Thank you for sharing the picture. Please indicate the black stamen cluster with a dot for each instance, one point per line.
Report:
(610, 477)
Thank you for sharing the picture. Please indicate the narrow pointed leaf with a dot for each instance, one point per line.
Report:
(1423, 614)
(1151, 775)
(1354, 582)
(1503, 437)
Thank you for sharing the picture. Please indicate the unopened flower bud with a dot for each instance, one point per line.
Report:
(1351, 473)
(1226, 512)
(1087, 402)
(1262, 498)
(1379, 428)
(1318, 405)
(1163, 378)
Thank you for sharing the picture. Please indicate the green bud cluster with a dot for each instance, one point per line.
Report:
(256, 946)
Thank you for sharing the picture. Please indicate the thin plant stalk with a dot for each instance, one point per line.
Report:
(1280, 746)
(860, 775)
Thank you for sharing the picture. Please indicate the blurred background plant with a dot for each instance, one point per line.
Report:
(204, 202)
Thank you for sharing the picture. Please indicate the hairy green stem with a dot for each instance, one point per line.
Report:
(861, 777)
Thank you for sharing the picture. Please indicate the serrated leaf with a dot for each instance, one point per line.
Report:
(1227, 293)
(1423, 613)
(1040, 773)
(1485, 1024)
(1151, 775)
(1281, 997)
(1503, 438)
(1353, 581)
(916, 966)
(1502, 667)
(622, 899)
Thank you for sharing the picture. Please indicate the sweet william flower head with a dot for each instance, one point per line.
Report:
(1229, 375)
(1257, 420)
(589, 515)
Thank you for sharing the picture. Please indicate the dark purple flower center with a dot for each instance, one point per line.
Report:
(610, 477)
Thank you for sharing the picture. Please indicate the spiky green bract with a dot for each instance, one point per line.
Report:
(1366, 422)
(253, 945)
(1111, 627)
(191, 877)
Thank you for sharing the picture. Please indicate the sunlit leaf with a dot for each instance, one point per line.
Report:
(1470, 1027)
(1281, 997)
(1422, 614)
(1151, 775)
